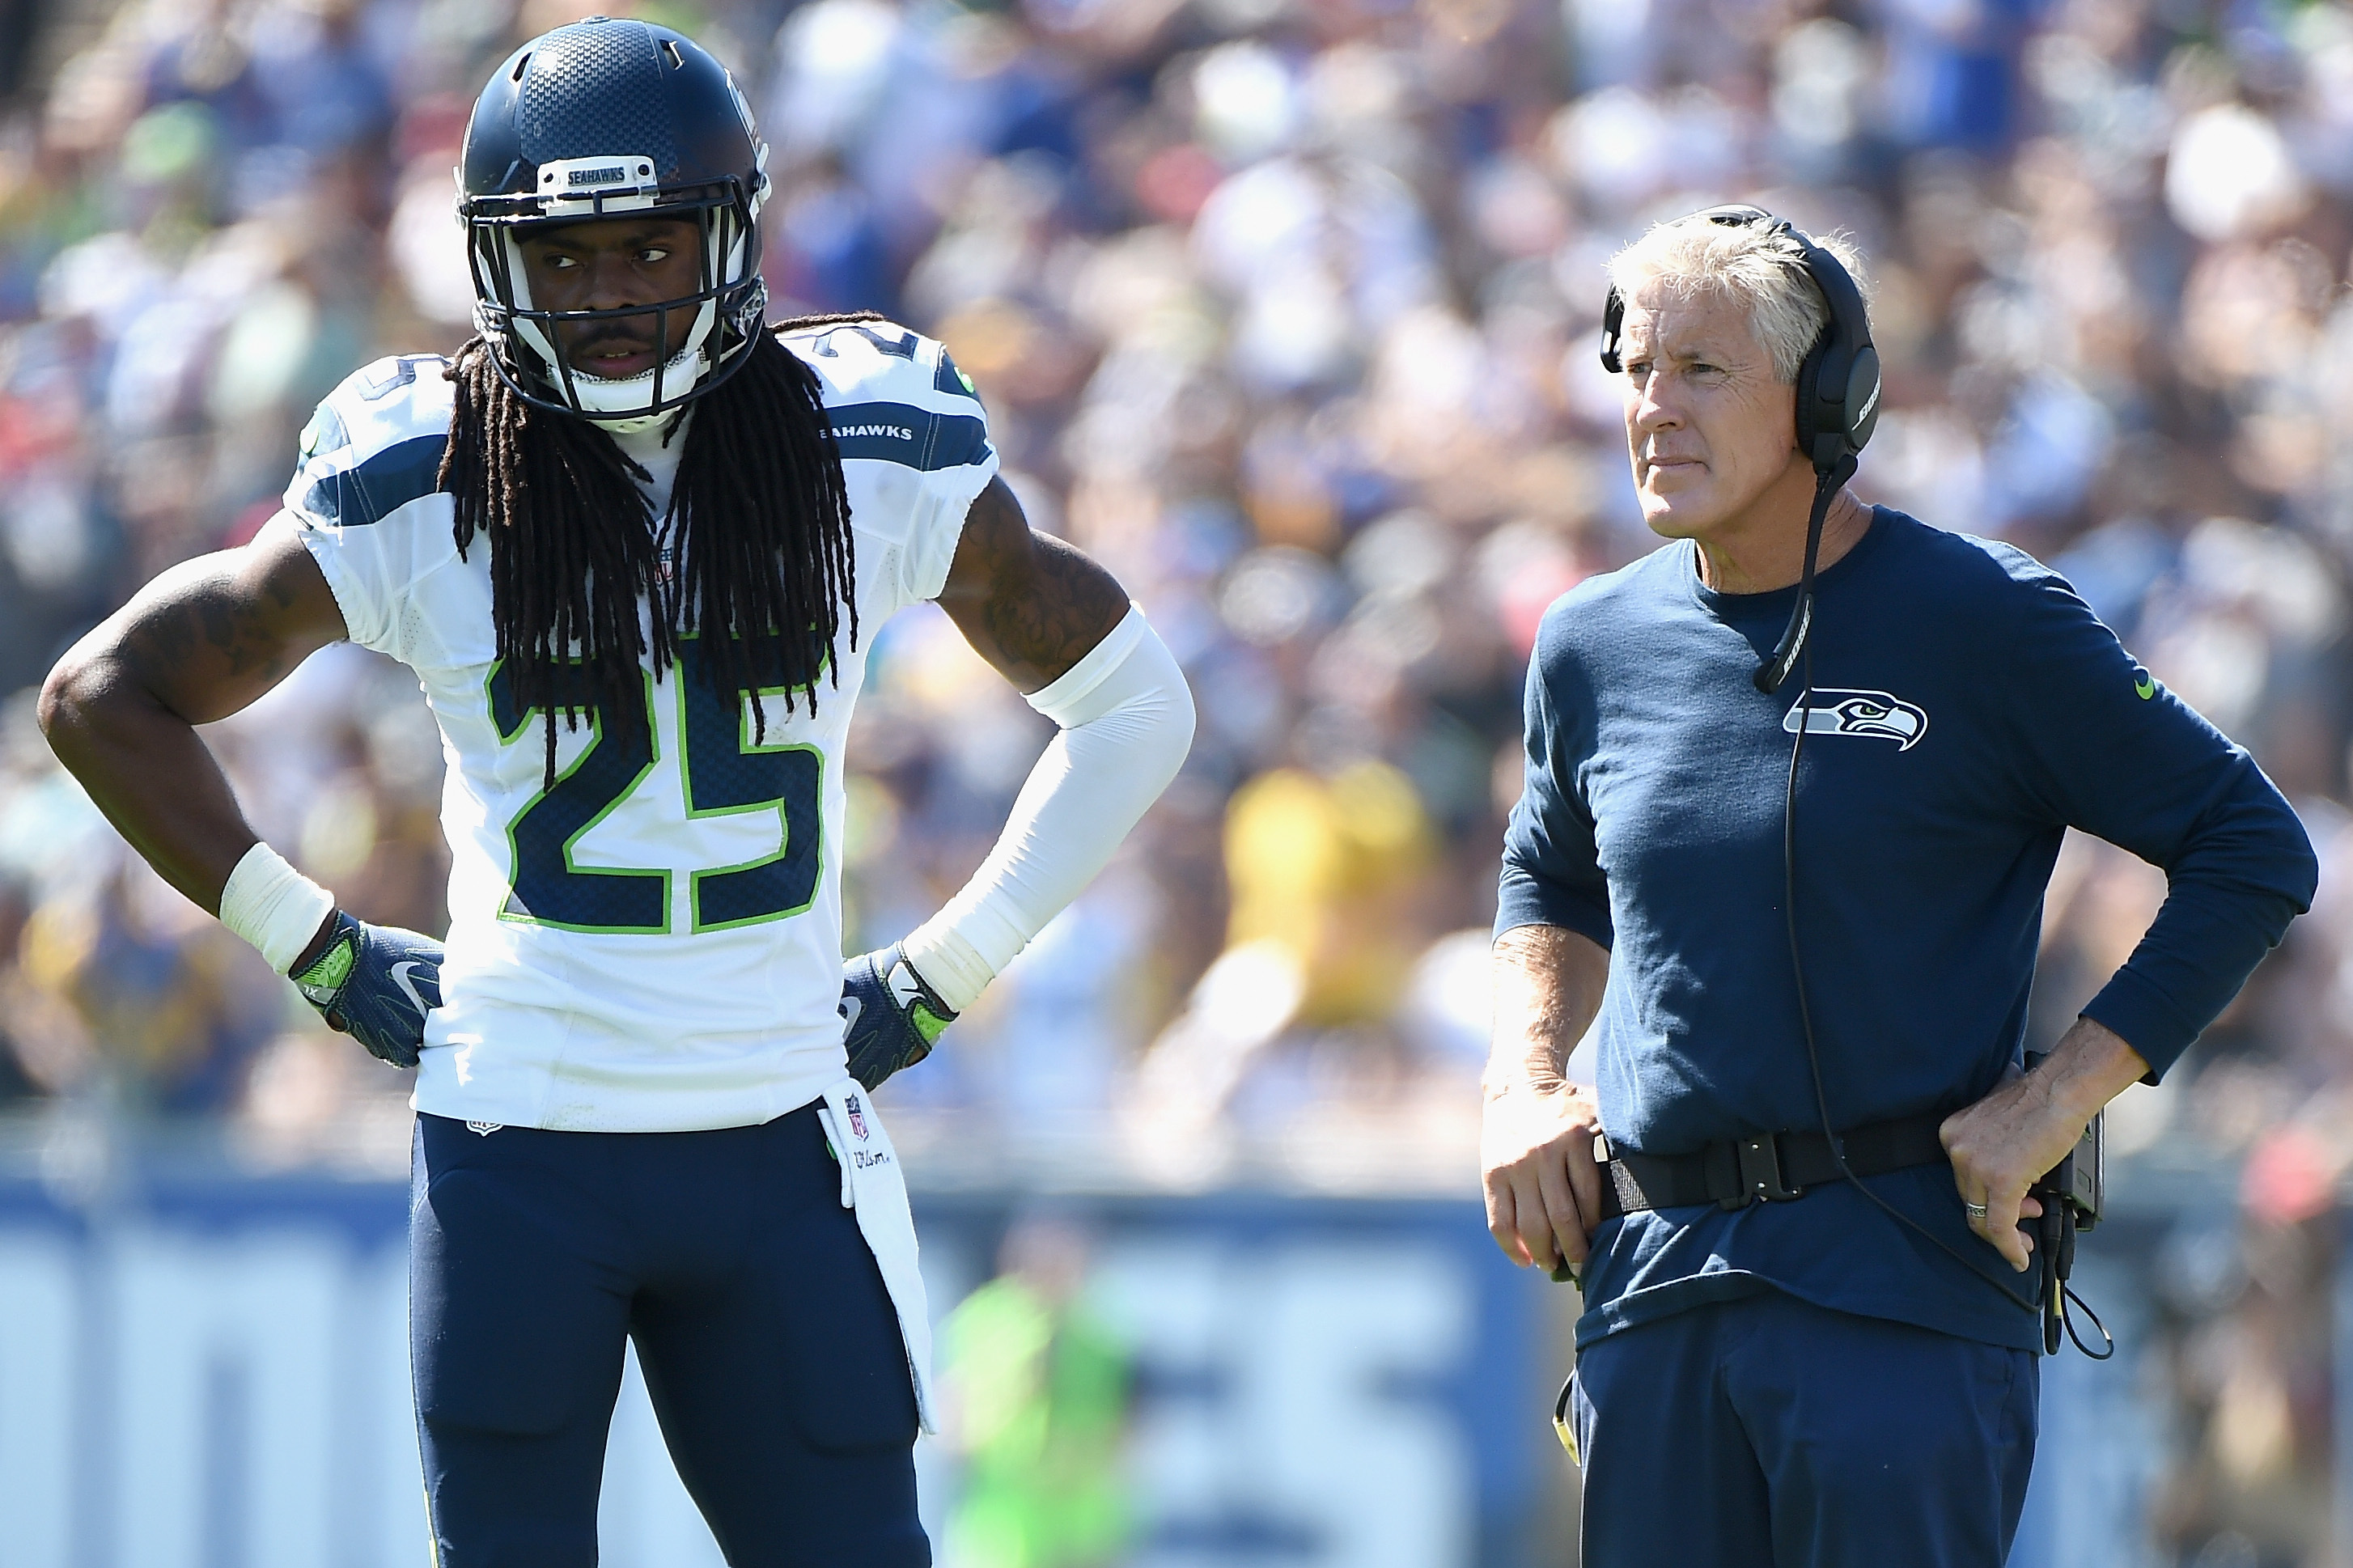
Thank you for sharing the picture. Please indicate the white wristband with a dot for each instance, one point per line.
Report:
(949, 963)
(273, 906)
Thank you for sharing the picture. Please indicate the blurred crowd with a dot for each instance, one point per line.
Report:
(1286, 310)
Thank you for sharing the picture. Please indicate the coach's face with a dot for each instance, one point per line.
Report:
(1710, 429)
(612, 264)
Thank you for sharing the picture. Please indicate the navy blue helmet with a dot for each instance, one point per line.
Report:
(594, 119)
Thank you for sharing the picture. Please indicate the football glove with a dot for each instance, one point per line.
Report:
(891, 1015)
(375, 984)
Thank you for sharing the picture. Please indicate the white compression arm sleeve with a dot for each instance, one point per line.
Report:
(1126, 720)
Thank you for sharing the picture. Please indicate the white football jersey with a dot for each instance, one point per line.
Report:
(654, 943)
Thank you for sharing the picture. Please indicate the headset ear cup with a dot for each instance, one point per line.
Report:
(1838, 382)
(1862, 390)
(1811, 423)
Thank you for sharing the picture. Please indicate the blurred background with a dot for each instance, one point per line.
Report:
(1286, 310)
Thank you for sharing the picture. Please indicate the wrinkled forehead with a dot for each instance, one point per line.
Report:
(1666, 320)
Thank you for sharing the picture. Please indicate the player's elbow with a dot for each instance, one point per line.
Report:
(1164, 738)
(65, 695)
(1179, 725)
(75, 696)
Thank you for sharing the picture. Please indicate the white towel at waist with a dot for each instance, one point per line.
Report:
(873, 1184)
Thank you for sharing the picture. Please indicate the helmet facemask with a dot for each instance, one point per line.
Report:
(726, 307)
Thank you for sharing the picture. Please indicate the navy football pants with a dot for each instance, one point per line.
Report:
(1770, 1433)
(768, 1342)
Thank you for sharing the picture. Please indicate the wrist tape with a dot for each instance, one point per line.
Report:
(273, 906)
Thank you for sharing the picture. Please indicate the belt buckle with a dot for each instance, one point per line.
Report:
(1759, 1159)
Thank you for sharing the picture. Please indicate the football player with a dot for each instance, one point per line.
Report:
(633, 542)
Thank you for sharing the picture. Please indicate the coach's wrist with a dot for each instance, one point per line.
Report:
(1536, 1074)
(2090, 1066)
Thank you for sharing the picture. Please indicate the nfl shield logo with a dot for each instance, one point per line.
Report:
(857, 1117)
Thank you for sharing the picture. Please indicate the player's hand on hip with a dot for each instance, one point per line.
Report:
(891, 1017)
(375, 984)
(2002, 1145)
(1543, 1184)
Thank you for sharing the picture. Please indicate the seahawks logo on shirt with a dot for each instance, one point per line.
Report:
(1874, 713)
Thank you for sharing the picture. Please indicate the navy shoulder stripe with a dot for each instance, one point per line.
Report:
(949, 379)
(913, 437)
(901, 347)
(379, 487)
(402, 372)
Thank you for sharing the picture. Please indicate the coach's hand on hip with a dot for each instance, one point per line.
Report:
(2005, 1142)
(1536, 1132)
(1544, 1186)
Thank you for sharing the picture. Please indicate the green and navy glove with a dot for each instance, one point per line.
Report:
(375, 984)
(891, 1015)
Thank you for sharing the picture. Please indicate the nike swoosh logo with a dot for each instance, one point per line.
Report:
(400, 977)
(2146, 687)
(851, 1009)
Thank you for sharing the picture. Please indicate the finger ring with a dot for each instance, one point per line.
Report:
(1977, 1211)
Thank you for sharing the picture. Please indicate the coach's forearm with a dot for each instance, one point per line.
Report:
(1547, 983)
(1536, 1133)
(2090, 1066)
(147, 769)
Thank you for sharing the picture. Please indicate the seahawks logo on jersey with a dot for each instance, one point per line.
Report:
(1873, 714)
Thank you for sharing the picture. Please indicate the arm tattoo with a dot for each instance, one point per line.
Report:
(232, 627)
(1069, 605)
(1046, 603)
(204, 633)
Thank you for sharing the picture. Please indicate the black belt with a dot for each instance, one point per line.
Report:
(1772, 1167)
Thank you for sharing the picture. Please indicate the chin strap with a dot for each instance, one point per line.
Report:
(1783, 659)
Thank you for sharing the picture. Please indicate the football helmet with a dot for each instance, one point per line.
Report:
(593, 120)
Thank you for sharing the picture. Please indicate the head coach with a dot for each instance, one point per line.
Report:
(1787, 834)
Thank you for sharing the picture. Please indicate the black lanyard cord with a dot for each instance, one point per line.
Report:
(1798, 647)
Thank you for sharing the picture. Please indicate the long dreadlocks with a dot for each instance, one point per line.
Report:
(764, 562)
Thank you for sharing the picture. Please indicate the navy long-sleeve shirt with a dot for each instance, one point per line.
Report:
(1969, 709)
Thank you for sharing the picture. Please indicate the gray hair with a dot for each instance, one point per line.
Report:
(1765, 270)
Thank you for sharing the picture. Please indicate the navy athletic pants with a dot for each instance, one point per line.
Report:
(768, 1342)
(1770, 1433)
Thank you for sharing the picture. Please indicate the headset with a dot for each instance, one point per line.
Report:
(1838, 402)
(1837, 410)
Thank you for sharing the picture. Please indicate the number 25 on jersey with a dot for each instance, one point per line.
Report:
(722, 772)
